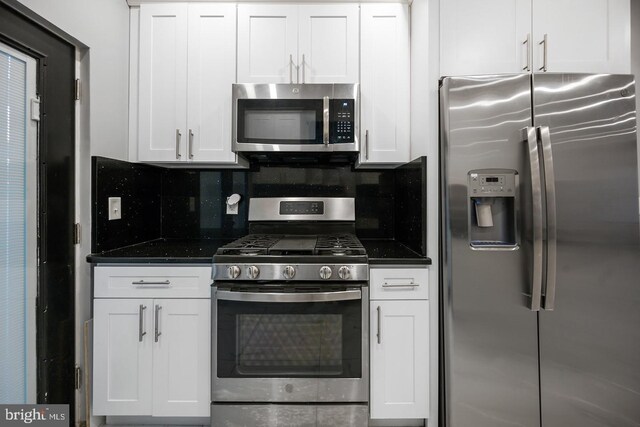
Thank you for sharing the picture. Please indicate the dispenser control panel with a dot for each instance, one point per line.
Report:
(492, 184)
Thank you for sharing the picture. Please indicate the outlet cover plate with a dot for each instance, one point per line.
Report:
(115, 208)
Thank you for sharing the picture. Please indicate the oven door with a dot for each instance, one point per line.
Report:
(290, 346)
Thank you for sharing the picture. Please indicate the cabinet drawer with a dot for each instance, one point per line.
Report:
(399, 283)
(152, 282)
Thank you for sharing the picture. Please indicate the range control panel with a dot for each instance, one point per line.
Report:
(492, 184)
(302, 208)
(341, 120)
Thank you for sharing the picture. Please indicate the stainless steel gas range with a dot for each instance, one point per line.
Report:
(290, 318)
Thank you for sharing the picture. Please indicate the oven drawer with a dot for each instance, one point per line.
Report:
(152, 281)
(281, 415)
(399, 283)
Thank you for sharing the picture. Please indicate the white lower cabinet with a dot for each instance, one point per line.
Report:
(151, 356)
(399, 354)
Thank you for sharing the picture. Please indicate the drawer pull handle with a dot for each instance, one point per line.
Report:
(411, 284)
(143, 283)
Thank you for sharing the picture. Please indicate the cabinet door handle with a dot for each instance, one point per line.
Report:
(178, 137)
(379, 334)
(190, 144)
(303, 66)
(366, 144)
(528, 43)
(157, 322)
(545, 50)
(290, 68)
(141, 333)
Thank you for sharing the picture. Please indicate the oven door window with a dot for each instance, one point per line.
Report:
(280, 121)
(304, 340)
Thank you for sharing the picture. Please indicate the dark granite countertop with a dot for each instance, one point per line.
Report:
(200, 251)
(193, 251)
(390, 251)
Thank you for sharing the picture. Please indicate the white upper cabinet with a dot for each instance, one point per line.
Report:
(484, 37)
(163, 80)
(582, 35)
(508, 36)
(298, 44)
(384, 88)
(187, 63)
(328, 43)
(267, 43)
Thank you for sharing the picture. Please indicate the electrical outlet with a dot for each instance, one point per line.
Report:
(115, 208)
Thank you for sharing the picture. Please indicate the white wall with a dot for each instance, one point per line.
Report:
(103, 25)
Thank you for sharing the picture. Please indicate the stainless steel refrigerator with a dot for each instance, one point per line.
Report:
(540, 252)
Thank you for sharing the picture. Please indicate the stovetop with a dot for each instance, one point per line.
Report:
(337, 244)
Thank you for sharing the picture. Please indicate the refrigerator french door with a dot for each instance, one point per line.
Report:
(540, 251)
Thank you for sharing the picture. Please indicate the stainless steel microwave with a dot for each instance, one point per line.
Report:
(287, 118)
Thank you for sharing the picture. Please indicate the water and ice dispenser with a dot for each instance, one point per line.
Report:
(492, 208)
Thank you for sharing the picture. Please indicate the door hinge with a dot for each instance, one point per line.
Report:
(77, 233)
(77, 90)
(78, 377)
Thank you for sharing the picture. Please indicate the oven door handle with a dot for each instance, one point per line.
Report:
(354, 294)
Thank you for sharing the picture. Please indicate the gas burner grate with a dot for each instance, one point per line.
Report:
(339, 245)
(252, 244)
(277, 244)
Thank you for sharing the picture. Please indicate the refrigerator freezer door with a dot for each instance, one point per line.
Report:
(590, 342)
(490, 334)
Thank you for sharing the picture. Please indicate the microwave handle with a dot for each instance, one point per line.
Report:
(352, 294)
(325, 120)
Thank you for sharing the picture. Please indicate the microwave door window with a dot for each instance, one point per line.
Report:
(280, 125)
(279, 121)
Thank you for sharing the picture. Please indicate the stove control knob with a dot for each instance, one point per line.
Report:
(289, 271)
(325, 272)
(233, 272)
(344, 273)
(253, 272)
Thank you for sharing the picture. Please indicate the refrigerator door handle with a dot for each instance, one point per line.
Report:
(530, 137)
(550, 198)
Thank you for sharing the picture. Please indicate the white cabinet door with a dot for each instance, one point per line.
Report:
(384, 90)
(211, 72)
(590, 36)
(484, 37)
(162, 82)
(122, 347)
(181, 357)
(267, 43)
(328, 38)
(399, 359)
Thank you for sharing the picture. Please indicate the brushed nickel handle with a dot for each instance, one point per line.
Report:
(325, 121)
(411, 284)
(366, 144)
(545, 49)
(178, 137)
(550, 200)
(379, 334)
(190, 143)
(157, 322)
(143, 283)
(303, 67)
(528, 43)
(141, 333)
(290, 68)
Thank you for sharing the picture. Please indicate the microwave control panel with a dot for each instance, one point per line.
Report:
(341, 121)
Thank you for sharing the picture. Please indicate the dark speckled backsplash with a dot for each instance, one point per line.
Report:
(185, 203)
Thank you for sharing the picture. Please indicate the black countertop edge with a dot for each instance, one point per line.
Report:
(201, 251)
(392, 252)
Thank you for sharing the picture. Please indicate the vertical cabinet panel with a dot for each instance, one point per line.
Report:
(328, 43)
(399, 359)
(163, 81)
(484, 37)
(211, 72)
(121, 360)
(594, 40)
(181, 358)
(267, 43)
(385, 83)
